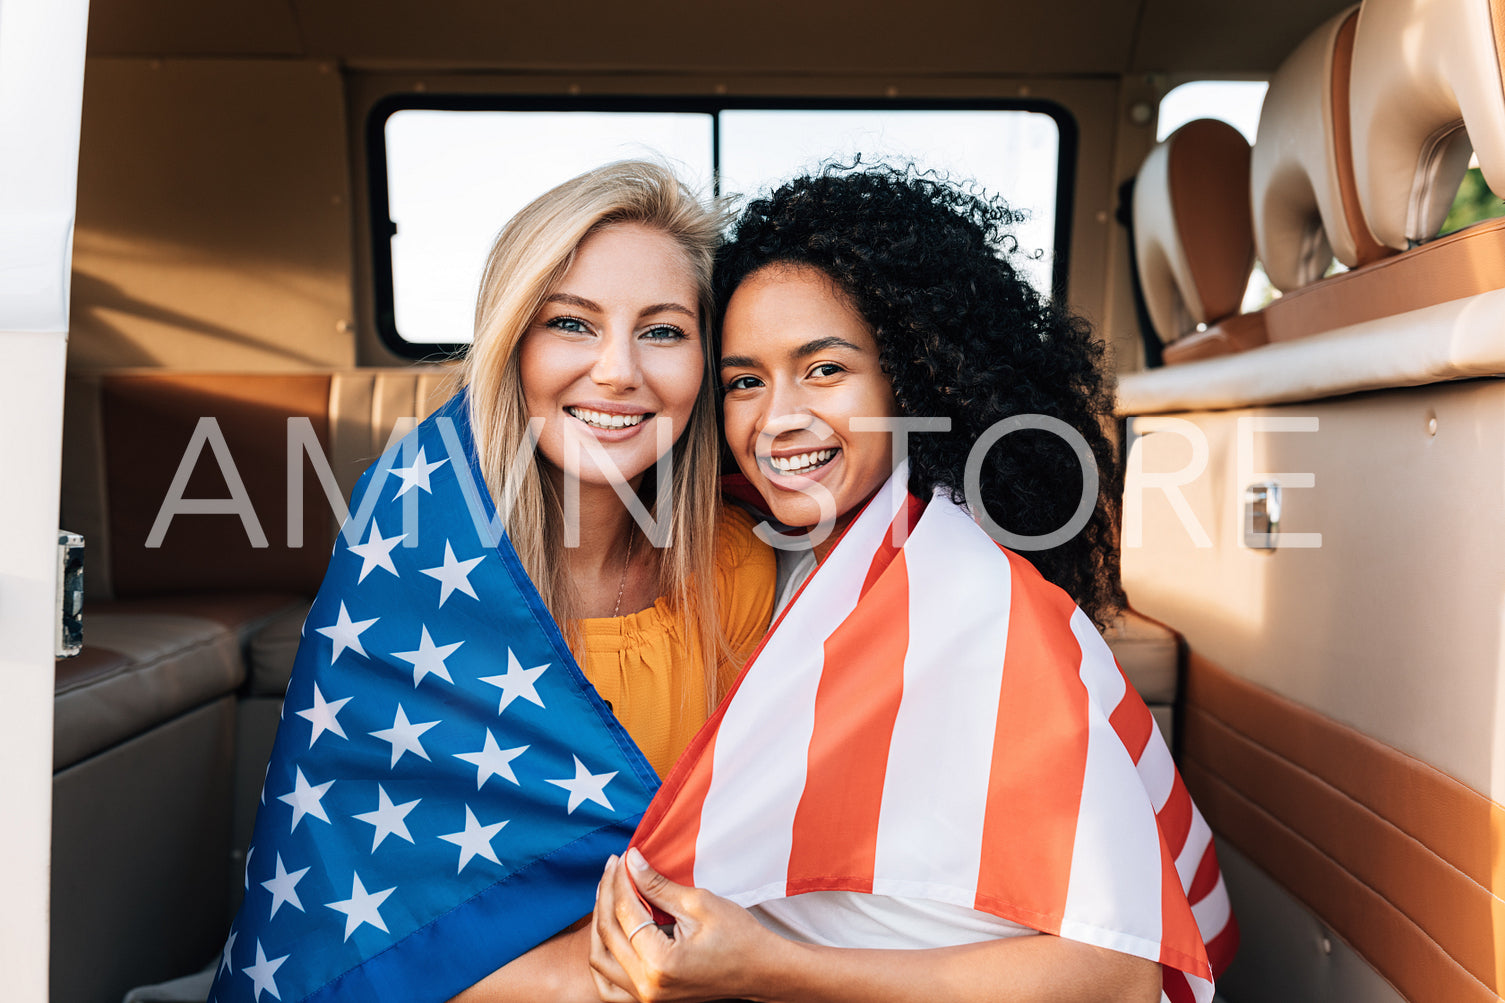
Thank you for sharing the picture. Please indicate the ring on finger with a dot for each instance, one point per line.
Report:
(645, 924)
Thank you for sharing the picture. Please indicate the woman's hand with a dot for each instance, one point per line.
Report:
(717, 949)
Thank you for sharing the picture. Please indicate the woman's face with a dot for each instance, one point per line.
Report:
(616, 345)
(798, 363)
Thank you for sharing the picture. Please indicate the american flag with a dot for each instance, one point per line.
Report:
(445, 785)
(935, 720)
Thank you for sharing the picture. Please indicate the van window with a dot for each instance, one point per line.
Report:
(449, 173)
(455, 177)
(1236, 102)
(1474, 202)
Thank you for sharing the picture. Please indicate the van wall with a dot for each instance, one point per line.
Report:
(213, 217)
(223, 222)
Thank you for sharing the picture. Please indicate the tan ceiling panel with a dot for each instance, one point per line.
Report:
(835, 36)
(193, 28)
(1225, 36)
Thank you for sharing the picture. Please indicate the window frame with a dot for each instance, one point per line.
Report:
(382, 228)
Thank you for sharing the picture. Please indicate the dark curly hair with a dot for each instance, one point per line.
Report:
(962, 335)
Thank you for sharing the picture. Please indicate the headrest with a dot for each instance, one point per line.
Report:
(1191, 227)
(1423, 71)
(1306, 208)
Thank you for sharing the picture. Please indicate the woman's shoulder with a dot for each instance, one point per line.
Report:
(745, 576)
(737, 541)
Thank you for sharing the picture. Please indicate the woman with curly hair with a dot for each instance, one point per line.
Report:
(933, 748)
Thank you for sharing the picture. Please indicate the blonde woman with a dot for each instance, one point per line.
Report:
(454, 784)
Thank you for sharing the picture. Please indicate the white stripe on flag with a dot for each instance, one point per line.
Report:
(1157, 771)
(1114, 825)
(762, 776)
(935, 791)
(1213, 912)
(1198, 835)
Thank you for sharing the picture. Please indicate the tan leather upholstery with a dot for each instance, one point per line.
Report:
(1399, 858)
(1343, 714)
(1238, 333)
(1299, 164)
(1191, 227)
(1286, 952)
(1458, 340)
(366, 405)
(1424, 71)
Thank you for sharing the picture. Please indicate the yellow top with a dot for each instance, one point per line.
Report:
(651, 676)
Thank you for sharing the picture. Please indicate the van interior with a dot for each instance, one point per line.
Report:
(1306, 310)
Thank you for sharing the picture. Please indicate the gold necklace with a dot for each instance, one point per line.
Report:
(622, 585)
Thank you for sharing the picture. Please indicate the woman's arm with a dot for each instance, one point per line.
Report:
(720, 950)
(556, 971)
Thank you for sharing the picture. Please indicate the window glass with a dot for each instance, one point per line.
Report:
(454, 178)
(1474, 202)
(1009, 153)
(1236, 102)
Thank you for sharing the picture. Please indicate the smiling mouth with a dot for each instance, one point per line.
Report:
(603, 420)
(802, 463)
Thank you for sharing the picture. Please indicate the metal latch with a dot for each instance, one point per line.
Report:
(1262, 515)
(69, 639)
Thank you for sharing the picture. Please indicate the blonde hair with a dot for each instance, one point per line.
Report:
(529, 258)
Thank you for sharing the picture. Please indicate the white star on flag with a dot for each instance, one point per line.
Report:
(517, 682)
(388, 818)
(224, 958)
(376, 552)
(263, 971)
(346, 633)
(362, 907)
(323, 715)
(453, 574)
(417, 476)
(474, 840)
(403, 735)
(429, 658)
(284, 887)
(306, 800)
(586, 786)
(492, 761)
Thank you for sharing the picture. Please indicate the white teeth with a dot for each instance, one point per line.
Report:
(600, 419)
(802, 461)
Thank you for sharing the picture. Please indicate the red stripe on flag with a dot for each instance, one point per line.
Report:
(1180, 940)
(1206, 878)
(1177, 986)
(1132, 720)
(835, 834)
(903, 524)
(1039, 758)
(1175, 816)
(1222, 947)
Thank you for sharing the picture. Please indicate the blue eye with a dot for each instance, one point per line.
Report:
(664, 332)
(571, 325)
(741, 383)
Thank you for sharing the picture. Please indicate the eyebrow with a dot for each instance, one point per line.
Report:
(570, 299)
(808, 348)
